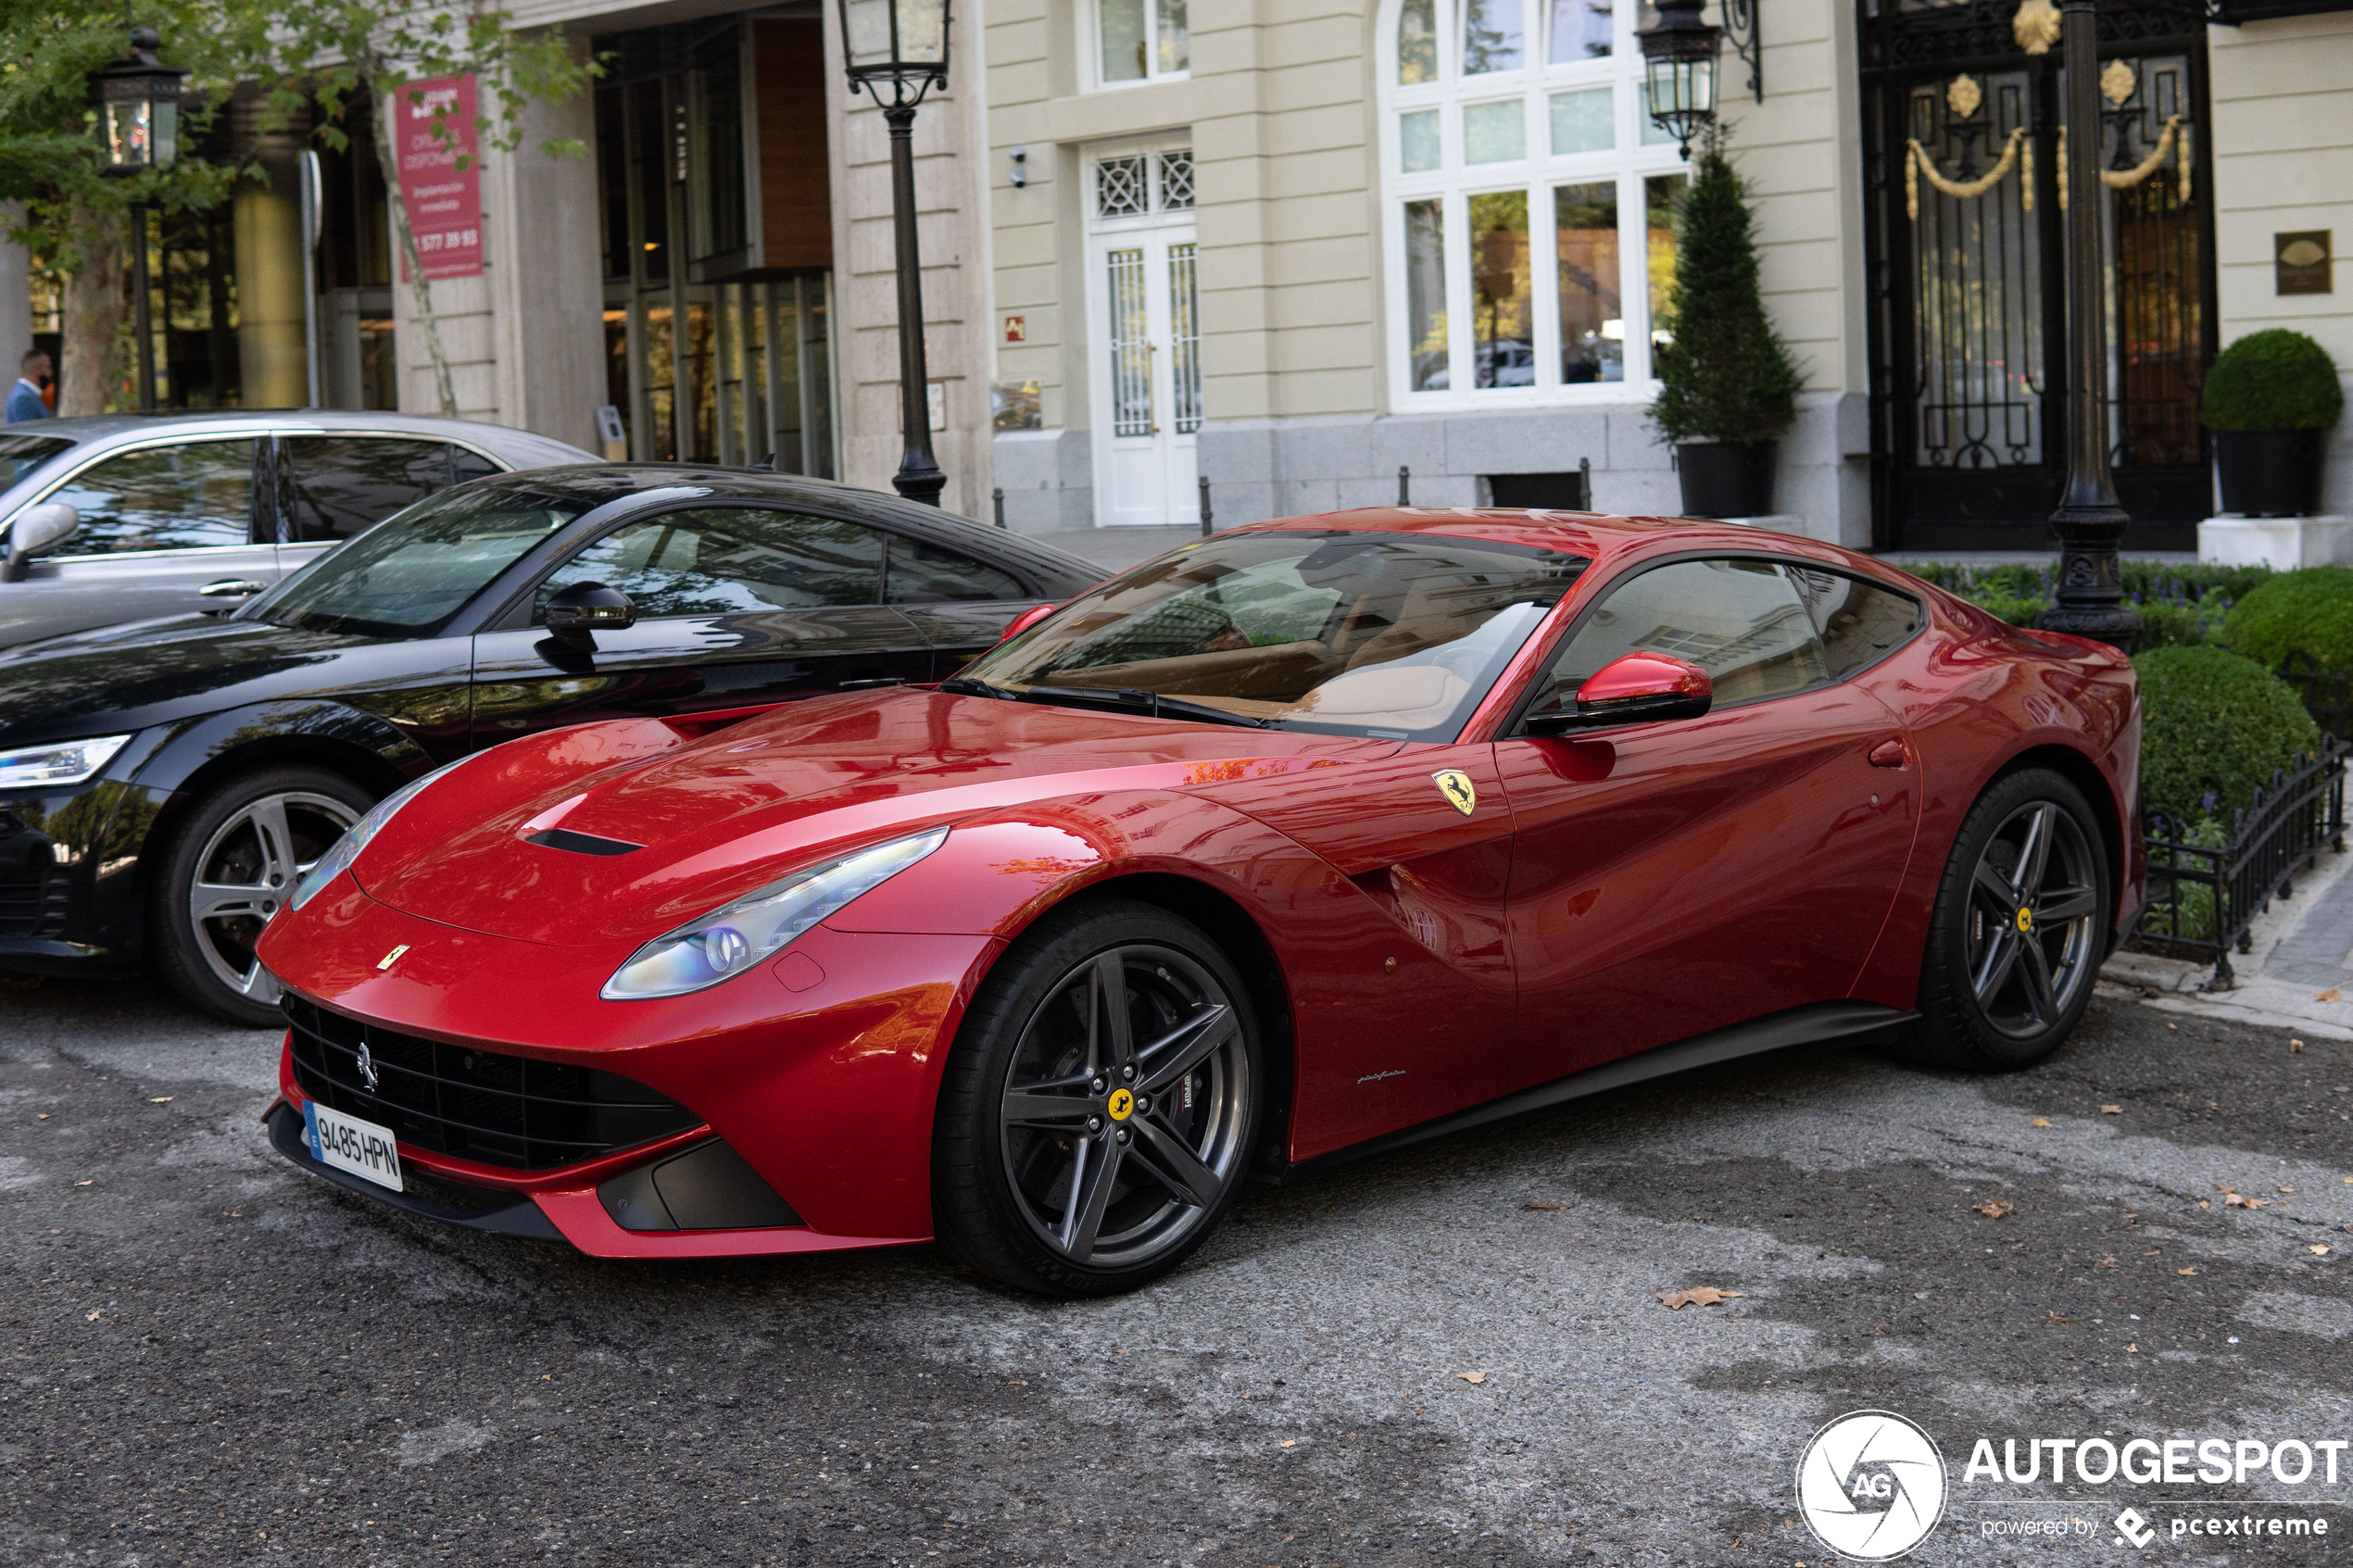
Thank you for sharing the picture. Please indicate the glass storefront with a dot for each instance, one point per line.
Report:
(718, 347)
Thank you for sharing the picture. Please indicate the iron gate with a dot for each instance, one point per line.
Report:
(1962, 145)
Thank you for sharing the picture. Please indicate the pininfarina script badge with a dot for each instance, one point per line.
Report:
(1456, 786)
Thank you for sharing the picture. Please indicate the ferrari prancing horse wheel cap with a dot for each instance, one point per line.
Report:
(1121, 1105)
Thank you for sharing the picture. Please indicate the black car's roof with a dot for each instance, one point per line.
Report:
(602, 483)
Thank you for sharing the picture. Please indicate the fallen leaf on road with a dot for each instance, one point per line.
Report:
(1472, 1376)
(2287, 1189)
(2185, 1271)
(2318, 1249)
(160, 1099)
(2105, 1263)
(2111, 1110)
(2132, 1349)
(1544, 1206)
(1697, 1295)
(1291, 1442)
(43, 1117)
(1993, 1209)
(92, 1182)
(2295, 1047)
(2203, 1204)
(2052, 1320)
(2041, 1122)
(2333, 994)
(92, 1318)
(2235, 1201)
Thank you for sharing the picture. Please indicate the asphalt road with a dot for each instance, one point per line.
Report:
(213, 1359)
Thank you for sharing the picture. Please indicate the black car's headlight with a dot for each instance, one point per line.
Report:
(66, 762)
(728, 941)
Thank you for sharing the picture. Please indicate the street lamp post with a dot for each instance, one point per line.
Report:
(904, 43)
(2090, 522)
(139, 105)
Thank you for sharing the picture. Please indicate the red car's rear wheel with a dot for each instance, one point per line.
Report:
(2020, 926)
(1097, 1113)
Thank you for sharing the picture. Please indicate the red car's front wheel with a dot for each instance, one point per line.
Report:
(1097, 1113)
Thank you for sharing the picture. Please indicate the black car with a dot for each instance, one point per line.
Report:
(164, 784)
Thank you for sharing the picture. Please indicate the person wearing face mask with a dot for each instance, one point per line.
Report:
(25, 401)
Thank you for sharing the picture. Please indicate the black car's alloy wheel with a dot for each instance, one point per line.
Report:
(1097, 1113)
(2020, 926)
(231, 865)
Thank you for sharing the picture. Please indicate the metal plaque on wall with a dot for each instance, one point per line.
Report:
(2300, 262)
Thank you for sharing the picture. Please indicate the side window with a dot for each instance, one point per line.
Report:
(338, 485)
(183, 497)
(729, 562)
(1740, 620)
(923, 573)
(465, 465)
(1855, 621)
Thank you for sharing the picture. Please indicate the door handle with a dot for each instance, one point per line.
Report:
(1889, 754)
(229, 588)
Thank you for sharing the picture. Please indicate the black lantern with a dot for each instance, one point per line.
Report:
(903, 43)
(138, 107)
(1680, 54)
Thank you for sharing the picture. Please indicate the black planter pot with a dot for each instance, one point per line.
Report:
(1726, 479)
(2270, 472)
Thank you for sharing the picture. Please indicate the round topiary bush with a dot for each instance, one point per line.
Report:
(2274, 380)
(2309, 610)
(2214, 728)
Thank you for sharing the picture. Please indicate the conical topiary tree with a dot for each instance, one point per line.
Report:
(1726, 374)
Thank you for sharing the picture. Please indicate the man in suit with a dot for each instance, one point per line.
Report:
(24, 398)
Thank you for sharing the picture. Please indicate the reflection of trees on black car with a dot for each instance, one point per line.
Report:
(162, 786)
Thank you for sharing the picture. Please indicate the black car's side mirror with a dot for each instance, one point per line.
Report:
(35, 530)
(1631, 689)
(578, 610)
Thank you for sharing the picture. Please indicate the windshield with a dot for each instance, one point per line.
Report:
(21, 454)
(1393, 635)
(411, 572)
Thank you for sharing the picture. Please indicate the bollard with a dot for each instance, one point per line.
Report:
(1203, 482)
(1585, 484)
(998, 496)
(1405, 485)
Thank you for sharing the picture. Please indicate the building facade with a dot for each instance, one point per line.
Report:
(1295, 250)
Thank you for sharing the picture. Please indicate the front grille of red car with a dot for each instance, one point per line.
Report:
(33, 902)
(473, 1104)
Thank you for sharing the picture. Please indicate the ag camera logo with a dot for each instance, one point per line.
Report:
(1871, 1486)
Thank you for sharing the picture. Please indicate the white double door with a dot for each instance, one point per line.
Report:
(1145, 300)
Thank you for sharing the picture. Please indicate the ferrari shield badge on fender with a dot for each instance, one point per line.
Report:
(1456, 786)
(392, 958)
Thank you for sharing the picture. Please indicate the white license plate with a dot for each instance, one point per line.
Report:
(348, 1144)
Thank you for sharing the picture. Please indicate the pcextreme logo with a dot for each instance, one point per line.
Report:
(1871, 1486)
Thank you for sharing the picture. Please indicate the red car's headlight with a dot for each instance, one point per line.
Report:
(728, 941)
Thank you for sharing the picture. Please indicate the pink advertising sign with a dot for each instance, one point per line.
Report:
(444, 201)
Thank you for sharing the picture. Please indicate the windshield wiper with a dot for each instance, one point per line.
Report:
(965, 685)
(1135, 698)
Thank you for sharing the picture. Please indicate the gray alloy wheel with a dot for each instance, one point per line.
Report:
(2033, 899)
(2020, 927)
(233, 862)
(1100, 1105)
(1122, 1107)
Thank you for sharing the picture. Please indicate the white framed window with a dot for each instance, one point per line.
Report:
(1527, 221)
(1138, 40)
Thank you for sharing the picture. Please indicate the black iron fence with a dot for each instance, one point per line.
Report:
(2207, 885)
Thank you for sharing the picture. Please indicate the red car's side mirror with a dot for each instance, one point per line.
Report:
(1027, 618)
(1633, 688)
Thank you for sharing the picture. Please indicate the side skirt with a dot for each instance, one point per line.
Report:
(1839, 1024)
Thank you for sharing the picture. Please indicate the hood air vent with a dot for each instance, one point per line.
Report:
(581, 842)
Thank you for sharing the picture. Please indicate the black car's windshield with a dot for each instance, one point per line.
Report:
(22, 455)
(1396, 635)
(407, 575)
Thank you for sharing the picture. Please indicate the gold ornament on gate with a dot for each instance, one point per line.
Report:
(2036, 26)
(2118, 83)
(1963, 97)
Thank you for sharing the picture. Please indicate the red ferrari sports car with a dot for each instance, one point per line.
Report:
(1306, 841)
